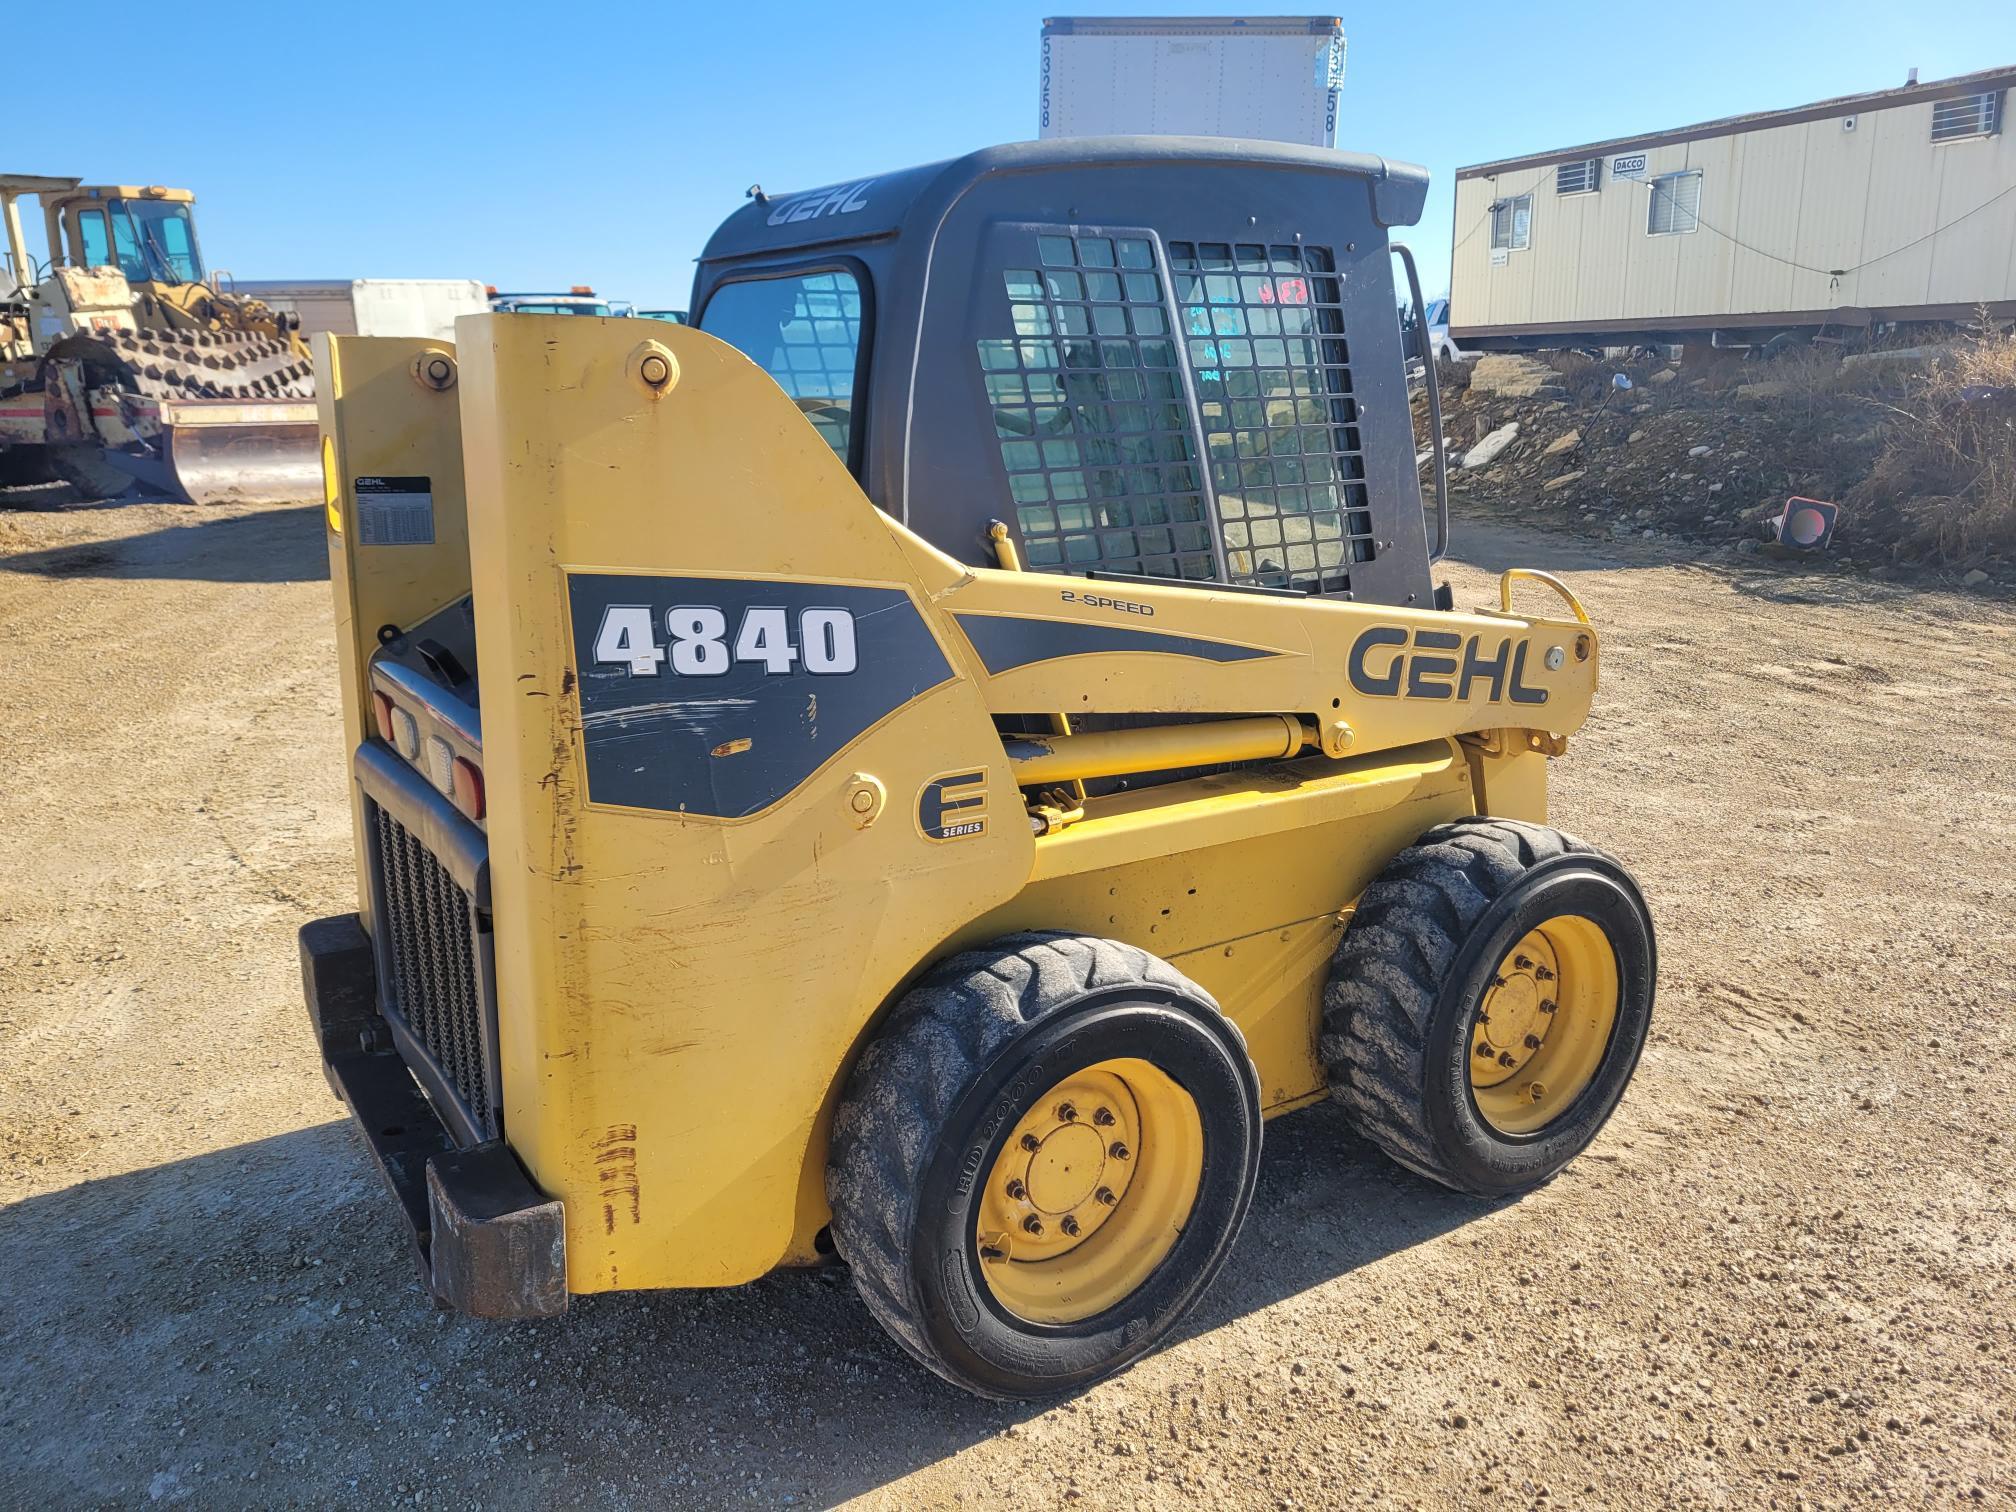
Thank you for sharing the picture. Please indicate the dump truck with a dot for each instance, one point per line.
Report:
(918, 766)
(120, 363)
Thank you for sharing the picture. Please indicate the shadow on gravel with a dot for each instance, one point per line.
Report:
(1492, 540)
(245, 1327)
(281, 545)
(1826, 585)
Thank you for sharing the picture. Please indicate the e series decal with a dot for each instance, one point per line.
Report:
(1384, 665)
(953, 806)
(720, 696)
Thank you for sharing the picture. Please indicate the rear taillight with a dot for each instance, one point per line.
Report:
(468, 794)
(439, 760)
(381, 704)
(405, 734)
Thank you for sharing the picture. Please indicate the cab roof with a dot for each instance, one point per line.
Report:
(891, 204)
(130, 192)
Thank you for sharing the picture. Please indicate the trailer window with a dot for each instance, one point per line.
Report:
(1512, 224)
(1970, 116)
(804, 331)
(1676, 204)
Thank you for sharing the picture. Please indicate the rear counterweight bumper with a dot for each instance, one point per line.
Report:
(488, 1242)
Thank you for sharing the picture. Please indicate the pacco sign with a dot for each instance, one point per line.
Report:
(1628, 165)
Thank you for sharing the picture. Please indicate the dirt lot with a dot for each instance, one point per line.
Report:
(1786, 1273)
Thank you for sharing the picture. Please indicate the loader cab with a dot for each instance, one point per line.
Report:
(148, 234)
(1154, 357)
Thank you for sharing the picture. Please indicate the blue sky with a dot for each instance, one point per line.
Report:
(541, 146)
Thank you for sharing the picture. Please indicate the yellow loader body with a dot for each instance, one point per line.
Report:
(687, 966)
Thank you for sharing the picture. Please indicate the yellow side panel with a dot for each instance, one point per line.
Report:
(380, 421)
(677, 994)
(1245, 891)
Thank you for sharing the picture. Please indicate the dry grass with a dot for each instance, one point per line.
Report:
(1948, 468)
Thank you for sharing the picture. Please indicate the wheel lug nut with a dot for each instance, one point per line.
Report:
(1069, 1225)
(1505, 1059)
(1103, 1118)
(1497, 981)
(1484, 1050)
(1532, 1042)
(1017, 1191)
(1032, 1225)
(1524, 963)
(1106, 1197)
(1117, 1150)
(988, 1252)
(1068, 1112)
(1548, 1005)
(1543, 974)
(1031, 1142)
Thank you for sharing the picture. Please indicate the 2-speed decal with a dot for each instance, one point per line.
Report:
(719, 696)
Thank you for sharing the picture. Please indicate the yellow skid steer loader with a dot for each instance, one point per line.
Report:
(921, 764)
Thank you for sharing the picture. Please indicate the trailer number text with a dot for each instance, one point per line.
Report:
(697, 642)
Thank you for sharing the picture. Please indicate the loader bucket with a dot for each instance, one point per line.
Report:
(242, 451)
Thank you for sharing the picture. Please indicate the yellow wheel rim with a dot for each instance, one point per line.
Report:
(1543, 1025)
(1090, 1193)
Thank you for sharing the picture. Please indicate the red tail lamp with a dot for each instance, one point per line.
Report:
(381, 704)
(468, 795)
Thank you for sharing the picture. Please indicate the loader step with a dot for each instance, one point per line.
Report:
(488, 1243)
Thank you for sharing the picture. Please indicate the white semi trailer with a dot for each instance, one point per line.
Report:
(1271, 78)
(372, 306)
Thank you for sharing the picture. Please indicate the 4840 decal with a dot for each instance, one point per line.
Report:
(697, 642)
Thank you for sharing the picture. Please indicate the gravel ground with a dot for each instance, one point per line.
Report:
(1785, 1274)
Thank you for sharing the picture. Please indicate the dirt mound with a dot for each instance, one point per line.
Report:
(1918, 447)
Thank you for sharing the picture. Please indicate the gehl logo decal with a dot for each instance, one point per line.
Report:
(953, 806)
(1384, 665)
(841, 199)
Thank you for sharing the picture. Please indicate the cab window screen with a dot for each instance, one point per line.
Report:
(805, 332)
(1265, 329)
(1091, 416)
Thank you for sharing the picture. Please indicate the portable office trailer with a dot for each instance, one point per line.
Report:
(1894, 206)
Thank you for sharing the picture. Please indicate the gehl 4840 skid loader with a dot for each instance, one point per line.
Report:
(922, 764)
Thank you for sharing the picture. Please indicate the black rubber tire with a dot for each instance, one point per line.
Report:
(933, 1099)
(1411, 973)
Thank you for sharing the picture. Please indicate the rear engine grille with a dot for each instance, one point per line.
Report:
(429, 925)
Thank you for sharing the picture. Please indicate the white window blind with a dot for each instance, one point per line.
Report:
(1676, 204)
(1512, 224)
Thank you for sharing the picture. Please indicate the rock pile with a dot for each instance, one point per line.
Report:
(1707, 454)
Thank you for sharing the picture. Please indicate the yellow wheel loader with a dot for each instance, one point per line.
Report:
(921, 764)
(123, 365)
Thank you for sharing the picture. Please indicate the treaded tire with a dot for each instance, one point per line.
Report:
(1411, 972)
(933, 1100)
